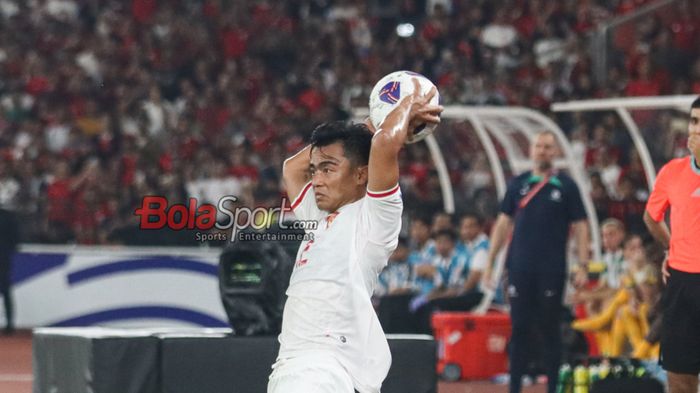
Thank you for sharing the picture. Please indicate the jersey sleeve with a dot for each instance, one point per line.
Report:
(479, 260)
(379, 225)
(509, 204)
(304, 206)
(658, 200)
(575, 204)
(382, 211)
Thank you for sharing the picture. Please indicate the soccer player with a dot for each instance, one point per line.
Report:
(613, 235)
(539, 207)
(678, 187)
(347, 181)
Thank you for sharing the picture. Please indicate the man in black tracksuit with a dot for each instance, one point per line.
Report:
(539, 207)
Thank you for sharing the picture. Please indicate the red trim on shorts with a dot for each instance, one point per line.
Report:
(382, 194)
(301, 196)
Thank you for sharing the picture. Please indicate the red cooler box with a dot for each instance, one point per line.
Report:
(471, 346)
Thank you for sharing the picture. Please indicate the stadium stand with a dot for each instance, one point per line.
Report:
(105, 102)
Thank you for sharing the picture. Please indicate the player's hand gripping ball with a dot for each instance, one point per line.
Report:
(387, 93)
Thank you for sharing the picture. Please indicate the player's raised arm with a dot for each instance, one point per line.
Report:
(295, 172)
(393, 133)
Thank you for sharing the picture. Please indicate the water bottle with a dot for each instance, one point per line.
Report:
(593, 374)
(604, 369)
(564, 385)
(617, 371)
(581, 379)
(640, 372)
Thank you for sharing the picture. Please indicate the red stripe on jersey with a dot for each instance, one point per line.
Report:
(301, 196)
(382, 194)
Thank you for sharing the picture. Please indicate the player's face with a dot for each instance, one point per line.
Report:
(335, 180)
(444, 245)
(694, 123)
(633, 249)
(420, 232)
(612, 238)
(469, 229)
(543, 150)
(694, 133)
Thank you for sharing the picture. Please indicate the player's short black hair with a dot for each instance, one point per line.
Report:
(422, 218)
(356, 139)
(476, 216)
(696, 103)
(448, 233)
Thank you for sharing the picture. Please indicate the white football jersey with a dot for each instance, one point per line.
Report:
(328, 306)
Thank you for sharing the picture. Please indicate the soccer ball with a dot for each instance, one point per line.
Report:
(390, 90)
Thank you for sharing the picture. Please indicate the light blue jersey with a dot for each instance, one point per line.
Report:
(424, 255)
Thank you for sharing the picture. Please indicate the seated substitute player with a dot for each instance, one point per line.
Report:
(422, 255)
(455, 282)
(347, 181)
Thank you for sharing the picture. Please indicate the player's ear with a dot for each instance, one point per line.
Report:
(361, 174)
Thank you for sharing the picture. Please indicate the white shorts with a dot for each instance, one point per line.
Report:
(309, 374)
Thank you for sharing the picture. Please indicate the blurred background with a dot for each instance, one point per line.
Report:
(104, 102)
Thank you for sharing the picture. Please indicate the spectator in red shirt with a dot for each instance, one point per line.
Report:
(643, 84)
(61, 199)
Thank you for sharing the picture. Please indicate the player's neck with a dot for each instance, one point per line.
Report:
(352, 199)
(542, 169)
(541, 172)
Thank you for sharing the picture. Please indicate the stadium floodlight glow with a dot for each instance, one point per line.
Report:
(405, 30)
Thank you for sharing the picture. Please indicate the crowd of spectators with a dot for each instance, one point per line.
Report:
(105, 102)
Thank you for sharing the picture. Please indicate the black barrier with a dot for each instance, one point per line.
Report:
(213, 365)
(628, 385)
(93, 360)
(78, 360)
(242, 364)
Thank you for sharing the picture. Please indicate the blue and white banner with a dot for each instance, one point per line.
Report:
(117, 287)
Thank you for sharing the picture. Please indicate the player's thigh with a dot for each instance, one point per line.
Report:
(522, 296)
(310, 376)
(550, 293)
(680, 333)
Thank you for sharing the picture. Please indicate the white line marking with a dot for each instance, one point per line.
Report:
(16, 378)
